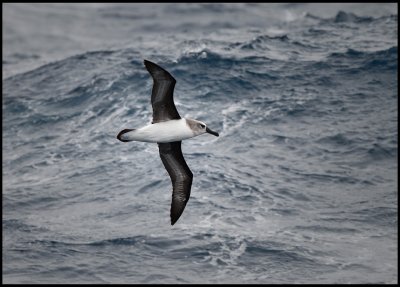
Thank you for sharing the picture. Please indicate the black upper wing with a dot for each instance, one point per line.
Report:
(162, 95)
(181, 176)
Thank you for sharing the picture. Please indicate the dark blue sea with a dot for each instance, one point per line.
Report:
(300, 187)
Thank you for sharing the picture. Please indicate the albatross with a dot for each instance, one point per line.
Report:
(168, 130)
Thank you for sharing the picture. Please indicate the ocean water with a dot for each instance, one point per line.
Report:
(300, 187)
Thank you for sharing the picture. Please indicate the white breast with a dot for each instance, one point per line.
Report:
(169, 131)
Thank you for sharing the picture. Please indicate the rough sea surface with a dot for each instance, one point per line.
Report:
(300, 187)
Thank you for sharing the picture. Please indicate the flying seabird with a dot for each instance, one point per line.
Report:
(168, 130)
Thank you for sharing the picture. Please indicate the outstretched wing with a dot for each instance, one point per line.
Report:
(162, 95)
(181, 176)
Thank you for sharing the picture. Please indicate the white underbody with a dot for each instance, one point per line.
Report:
(169, 131)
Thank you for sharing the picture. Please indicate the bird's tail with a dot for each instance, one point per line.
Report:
(119, 136)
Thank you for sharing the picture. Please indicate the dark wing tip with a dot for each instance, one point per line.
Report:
(149, 64)
(157, 72)
(179, 200)
(176, 213)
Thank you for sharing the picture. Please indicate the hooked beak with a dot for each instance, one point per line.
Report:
(212, 132)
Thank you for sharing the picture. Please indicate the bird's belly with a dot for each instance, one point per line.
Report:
(169, 131)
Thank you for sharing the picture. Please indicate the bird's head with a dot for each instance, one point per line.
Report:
(200, 128)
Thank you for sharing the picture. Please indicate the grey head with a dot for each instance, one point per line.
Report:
(199, 127)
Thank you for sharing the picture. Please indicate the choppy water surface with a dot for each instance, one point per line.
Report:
(300, 187)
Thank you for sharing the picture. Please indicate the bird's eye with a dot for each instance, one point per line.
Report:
(202, 126)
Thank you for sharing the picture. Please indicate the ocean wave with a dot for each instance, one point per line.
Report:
(342, 16)
(337, 139)
(380, 152)
(352, 53)
(72, 66)
(118, 241)
(276, 253)
(204, 56)
(348, 17)
(381, 215)
(260, 41)
(24, 57)
(60, 91)
(358, 61)
(266, 42)
(19, 225)
(328, 229)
